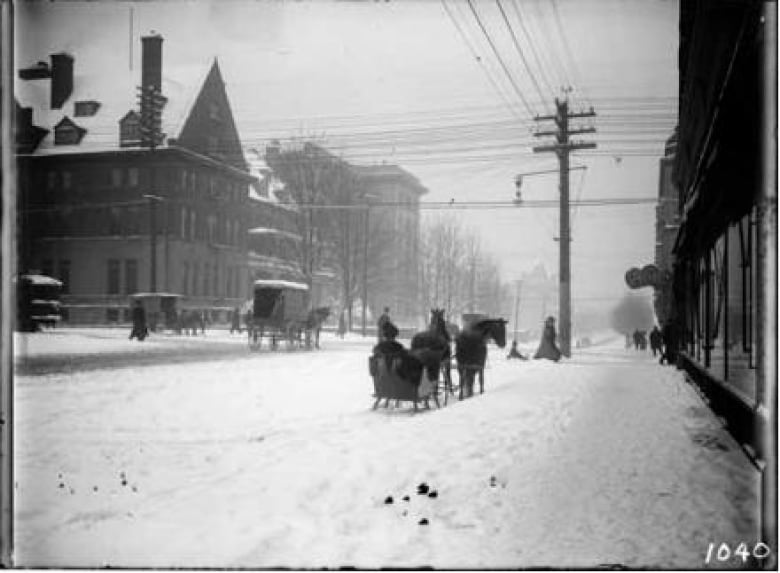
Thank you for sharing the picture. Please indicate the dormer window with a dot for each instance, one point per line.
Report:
(68, 133)
(130, 130)
(86, 108)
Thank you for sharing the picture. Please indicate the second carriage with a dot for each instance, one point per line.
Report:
(280, 312)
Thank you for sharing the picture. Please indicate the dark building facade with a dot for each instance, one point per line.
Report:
(725, 272)
(110, 216)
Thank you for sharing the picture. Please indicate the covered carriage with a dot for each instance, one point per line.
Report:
(280, 312)
(38, 301)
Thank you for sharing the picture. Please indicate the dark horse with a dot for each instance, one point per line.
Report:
(432, 346)
(314, 321)
(471, 351)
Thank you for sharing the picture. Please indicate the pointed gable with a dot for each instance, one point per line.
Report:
(209, 128)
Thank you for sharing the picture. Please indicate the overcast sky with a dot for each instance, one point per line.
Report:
(398, 81)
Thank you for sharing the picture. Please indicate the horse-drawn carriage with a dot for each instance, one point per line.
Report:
(280, 312)
(395, 380)
(38, 302)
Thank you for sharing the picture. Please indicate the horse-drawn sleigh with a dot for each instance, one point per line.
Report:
(280, 313)
(413, 375)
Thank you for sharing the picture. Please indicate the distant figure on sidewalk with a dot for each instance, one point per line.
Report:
(514, 353)
(656, 341)
(547, 347)
(140, 329)
(381, 322)
(235, 321)
(671, 339)
(342, 329)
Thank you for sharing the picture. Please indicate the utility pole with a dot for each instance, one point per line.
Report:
(365, 265)
(562, 148)
(518, 284)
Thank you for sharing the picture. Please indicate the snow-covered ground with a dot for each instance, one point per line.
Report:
(228, 458)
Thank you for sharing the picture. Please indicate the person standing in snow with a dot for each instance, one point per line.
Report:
(139, 330)
(656, 341)
(514, 353)
(235, 321)
(385, 318)
(342, 329)
(547, 347)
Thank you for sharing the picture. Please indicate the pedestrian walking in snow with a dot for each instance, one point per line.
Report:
(385, 317)
(139, 329)
(342, 329)
(656, 341)
(671, 340)
(235, 321)
(547, 347)
(514, 353)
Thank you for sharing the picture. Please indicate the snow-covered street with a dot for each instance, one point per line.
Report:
(229, 458)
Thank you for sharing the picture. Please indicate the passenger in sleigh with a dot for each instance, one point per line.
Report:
(407, 367)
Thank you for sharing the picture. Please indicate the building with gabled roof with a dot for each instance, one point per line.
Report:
(110, 215)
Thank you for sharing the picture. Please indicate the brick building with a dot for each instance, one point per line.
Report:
(110, 217)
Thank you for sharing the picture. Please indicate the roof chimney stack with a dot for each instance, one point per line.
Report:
(61, 79)
(151, 62)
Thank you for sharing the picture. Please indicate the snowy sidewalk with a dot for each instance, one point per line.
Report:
(277, 460)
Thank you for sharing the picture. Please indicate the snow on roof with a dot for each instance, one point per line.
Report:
(276, 232)
(271, 283)
(41, 280)
(117, 94)
(153, 294)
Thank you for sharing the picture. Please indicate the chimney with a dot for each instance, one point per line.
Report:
(61, 79)
(151, 62)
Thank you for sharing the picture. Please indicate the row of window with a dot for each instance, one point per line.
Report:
(209, 279)
(195, 184)
(114, 282)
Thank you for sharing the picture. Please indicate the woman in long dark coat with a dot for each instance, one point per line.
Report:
(547, 347)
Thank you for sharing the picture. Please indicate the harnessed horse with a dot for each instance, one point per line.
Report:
(437, 338)
(471, 351)
(314, 321)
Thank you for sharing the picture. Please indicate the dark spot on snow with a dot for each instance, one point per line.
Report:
(423, 521)
(389, 499)
(135, 489)
(422, 489)
(94, 488)
(405, 513)
(124, 482)
(72, 491)
(406, 498)
(434, 493)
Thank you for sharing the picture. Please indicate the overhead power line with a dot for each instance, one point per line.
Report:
(500, 59)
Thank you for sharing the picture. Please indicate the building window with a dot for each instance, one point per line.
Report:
(68, 133)
(214, 112)
(185, 278)
(229, 281)
(212, 145)
(193, 223)
(47, 267)
(112, 315)
(67, 179)
(51, 180)
(183, 223)
(132, 177)
(113, 276)
(64, 276)
(206, 278)
(131, 276)
(116, 177)
(130, 130)
(86, 108)
(114, 221)
(195, 273)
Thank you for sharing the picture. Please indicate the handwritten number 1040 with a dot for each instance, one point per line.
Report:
(723, 552)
